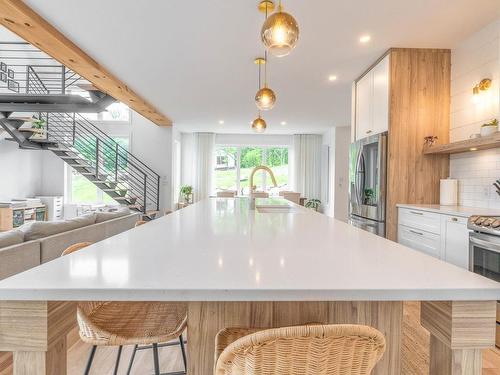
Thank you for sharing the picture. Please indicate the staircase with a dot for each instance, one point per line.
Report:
(46, 91)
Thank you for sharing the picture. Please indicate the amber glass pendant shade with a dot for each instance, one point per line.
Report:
(280, 33)
(259, 125)
(265, 99)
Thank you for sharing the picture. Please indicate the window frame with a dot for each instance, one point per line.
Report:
(265, 149)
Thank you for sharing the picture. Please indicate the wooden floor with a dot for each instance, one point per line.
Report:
(416, 346)
(104, 360)
(415, 357)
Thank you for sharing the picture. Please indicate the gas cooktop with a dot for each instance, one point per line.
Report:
(484, 224)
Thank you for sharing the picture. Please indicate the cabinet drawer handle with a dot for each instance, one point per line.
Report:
(416, 212)
(415, 232)
(454, 219)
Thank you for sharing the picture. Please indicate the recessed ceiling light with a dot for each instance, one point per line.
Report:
(221, 122)
(365, 38)
(283, 122)
(332, 78)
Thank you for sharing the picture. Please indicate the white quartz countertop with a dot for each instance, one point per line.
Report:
(461, 211)
(221, 250)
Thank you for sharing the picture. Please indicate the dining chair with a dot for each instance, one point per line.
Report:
(259, 194)
(146, 325)
(226, 194)
(306, 350)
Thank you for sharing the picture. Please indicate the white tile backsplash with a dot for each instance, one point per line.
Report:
(475, 58)
(476, 172)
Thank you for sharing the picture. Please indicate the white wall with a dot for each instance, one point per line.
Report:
(21, 171)
(338, 139)
(152, 144)
(341, 183)
(53, 176)
(328, 205)
(254, 139)
(475, 58)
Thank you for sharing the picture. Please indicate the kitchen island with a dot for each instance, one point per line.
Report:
(261, 267)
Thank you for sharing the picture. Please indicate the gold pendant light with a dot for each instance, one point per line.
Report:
(265, 99)
(259, 125)
(280, 33)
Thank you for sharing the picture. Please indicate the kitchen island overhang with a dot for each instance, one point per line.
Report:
(239, 267)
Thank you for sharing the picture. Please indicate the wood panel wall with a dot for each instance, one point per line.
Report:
(419, 107)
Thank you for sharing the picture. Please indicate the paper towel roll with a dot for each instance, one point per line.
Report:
(448, 193)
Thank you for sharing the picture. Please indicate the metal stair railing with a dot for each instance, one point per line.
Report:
(35, 71)
(96, 155)
(105, 157)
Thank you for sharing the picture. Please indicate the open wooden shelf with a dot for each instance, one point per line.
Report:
(482, 143)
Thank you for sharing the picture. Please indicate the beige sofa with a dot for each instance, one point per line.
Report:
(38, 248)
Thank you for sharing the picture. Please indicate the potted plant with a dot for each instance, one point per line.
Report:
(489, 128)
(39, 132)
(369, 194)
(186, 193)
(313, 204)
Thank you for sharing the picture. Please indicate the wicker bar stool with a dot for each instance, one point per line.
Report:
(142, 324)
(305, 350)
(139, 223)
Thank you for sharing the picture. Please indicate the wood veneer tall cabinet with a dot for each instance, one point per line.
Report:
(414, 101)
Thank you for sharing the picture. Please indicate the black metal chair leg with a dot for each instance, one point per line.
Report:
(117, 364)
(183, 350)
(132, 359)
(155, 359)
(90, 360)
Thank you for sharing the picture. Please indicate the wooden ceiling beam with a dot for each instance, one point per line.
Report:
(19, 18)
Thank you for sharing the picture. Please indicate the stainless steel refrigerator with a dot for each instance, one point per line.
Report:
(367, 183)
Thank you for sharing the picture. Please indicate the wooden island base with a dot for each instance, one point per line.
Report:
(35, 331)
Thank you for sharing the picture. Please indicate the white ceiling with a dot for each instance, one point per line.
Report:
(194, 59)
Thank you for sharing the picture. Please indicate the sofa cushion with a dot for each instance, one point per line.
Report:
(53, 246)
(12, 237)
(105, 216)
(41, 229)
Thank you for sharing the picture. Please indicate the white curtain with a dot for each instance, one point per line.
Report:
(307, 165)
(204, 146)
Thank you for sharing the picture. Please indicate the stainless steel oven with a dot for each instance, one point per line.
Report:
(484, 255)
(484, 252)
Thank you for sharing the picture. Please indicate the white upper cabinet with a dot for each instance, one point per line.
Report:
(380, 103)
(372, 101)
(364, 106)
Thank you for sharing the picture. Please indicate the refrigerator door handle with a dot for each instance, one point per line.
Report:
(360, 176)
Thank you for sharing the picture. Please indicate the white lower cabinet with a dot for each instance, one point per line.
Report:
(455, 240)
(442, 236)
(417, 239)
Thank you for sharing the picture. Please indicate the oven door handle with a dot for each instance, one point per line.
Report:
(485, 244)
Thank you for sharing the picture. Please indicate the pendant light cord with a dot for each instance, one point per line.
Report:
(260, 79)
(265, 68)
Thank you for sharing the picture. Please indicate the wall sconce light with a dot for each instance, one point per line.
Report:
(482, 86)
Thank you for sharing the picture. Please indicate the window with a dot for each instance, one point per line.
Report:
(117, 112)
(235, 164)
(80, 189)
(226, 175)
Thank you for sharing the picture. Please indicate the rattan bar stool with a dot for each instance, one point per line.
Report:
(305, 350)
(139, 223)
(146, 325)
